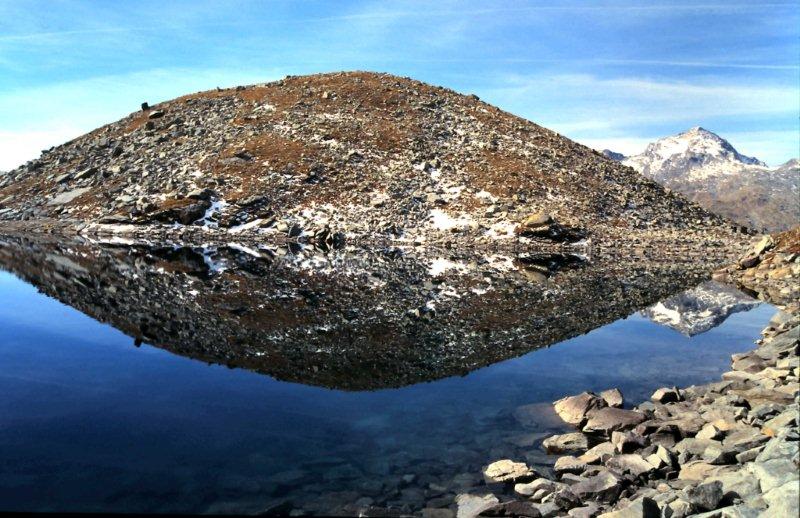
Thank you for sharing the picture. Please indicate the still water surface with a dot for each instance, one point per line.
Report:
(90, 422)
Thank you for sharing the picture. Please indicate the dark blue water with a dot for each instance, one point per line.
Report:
(89, 422)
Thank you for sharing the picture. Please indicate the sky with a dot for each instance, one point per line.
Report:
(609, 74)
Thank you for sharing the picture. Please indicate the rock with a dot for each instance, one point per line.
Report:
(629, 463)
(590, 510)
(627, 442)
(470, 506)
(603, 486)
(753, 257)
(517, 509)
(536, 219)
(570, 464)
(709, 431)
(574, 409)
(783, 500)
(530, 488)
(613, 397)
(607, 420)
(641, 508)
(718, 454)
(737, 485)
(548, 509)
(599, 453)
(67, 196)
(678, 509)
(667, 395)
(706, 496)
(156, 114)
(437, 513)
(566, 442)
(507, 471)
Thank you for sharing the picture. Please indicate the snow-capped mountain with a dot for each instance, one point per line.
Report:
(708, 170)
(702, 308)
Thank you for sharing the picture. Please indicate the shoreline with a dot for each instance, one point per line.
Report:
(726, 448)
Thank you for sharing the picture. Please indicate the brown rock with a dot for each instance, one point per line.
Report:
(574, 409)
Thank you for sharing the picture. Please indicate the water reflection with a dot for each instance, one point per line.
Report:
(93, 424)
(349, 319)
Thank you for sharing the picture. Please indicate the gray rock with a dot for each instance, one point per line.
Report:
(566, 442)
(641, 508)
(705, 497)
(570, 464)
(783, 500)
(470, 506)
(629, 463)
(67, 196)
(604, 486)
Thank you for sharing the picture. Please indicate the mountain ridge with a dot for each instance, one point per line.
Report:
(708, 170)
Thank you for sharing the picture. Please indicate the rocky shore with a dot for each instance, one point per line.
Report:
(728, 448)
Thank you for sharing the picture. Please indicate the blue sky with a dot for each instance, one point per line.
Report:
(608, 74)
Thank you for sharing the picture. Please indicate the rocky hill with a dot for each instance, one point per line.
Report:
(708, 170)
(341, 155)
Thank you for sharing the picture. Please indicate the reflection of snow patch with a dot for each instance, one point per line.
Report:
(244, 249)
(245, 226)
(501, 230)
(502, 263)
(440, 265)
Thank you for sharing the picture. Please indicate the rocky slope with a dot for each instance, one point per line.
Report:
(709, 171)
(342, 155)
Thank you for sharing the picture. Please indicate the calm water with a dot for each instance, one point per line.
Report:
(91, 422)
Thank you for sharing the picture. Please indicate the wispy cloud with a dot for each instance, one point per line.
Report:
(584, 101)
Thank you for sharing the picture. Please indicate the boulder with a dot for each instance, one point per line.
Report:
(574, 409)
(599, 453)
(570, 464)
(507, 470)
(627, 442)
(629, 463)
(667, 395)
(470, 506)
(783, 500)
(574, 441)
(531, 488)
(607, 420)
(604, 486)
(705, 496)
(640, 508)
(613, 397)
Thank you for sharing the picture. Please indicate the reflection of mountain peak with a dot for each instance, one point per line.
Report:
(702, 308)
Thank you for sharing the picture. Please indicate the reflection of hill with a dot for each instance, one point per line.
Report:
(351, 320)
(702, 308)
